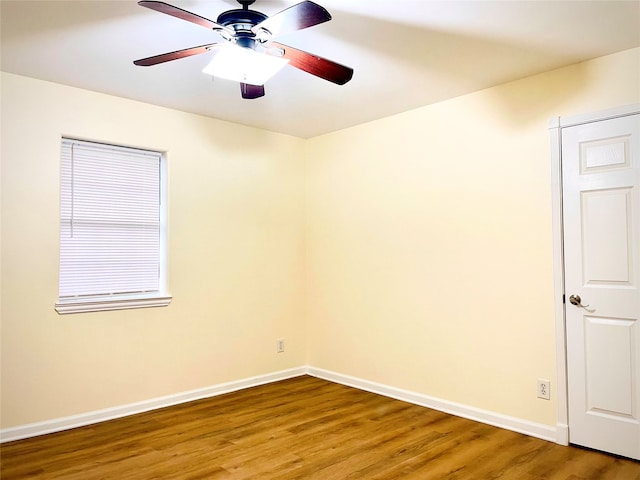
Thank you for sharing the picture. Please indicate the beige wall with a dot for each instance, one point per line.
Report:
(235, 258)
(424, 239)
(429, 240)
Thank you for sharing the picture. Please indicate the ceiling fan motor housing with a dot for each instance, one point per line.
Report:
(242, 21)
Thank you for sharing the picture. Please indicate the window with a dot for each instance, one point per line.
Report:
(112, 228)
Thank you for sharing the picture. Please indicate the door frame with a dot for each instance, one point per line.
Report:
(555, 126)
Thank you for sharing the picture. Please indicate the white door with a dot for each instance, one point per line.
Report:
(601, 212)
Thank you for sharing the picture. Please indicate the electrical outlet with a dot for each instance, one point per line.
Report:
(544, 389)
(280, 345)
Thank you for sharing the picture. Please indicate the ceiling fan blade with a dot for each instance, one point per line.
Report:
(182, 14)
(167, 57)
(251, 91)
(313, 64)
(299, 16)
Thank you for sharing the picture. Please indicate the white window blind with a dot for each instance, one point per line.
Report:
(111, 229)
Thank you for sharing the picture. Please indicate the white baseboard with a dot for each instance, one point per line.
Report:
(558, 434)
(526, 427)
(66, 423)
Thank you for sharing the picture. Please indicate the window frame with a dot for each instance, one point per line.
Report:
(106, 301)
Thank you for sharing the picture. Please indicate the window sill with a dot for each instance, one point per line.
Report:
(76, 305)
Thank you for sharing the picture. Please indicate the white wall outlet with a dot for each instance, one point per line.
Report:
(280, 345)
(544, 389)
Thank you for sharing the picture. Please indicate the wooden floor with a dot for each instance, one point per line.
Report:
(302, 428)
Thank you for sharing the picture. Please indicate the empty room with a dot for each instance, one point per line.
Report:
(320, 240)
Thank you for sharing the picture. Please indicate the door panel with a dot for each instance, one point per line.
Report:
(606, 236)
(606, 154)
(601, 215)
(609, 366)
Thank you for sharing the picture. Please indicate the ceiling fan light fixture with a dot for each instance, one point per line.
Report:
(244, 30)
(244, 65)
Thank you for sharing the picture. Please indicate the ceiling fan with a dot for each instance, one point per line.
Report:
(248, 38)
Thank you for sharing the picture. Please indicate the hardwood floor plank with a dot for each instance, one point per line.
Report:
(301, 429)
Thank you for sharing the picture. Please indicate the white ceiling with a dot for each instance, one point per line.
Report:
(405, 53)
